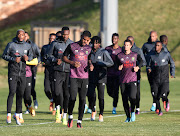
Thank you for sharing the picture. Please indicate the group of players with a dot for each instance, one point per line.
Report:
(80, 67)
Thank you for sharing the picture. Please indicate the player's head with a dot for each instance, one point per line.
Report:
(26, 36)
(59, 33)
(115, 38)
(96, 41)
(164, 39)
(131, 38)
(158, 46)
(85, 38)
(153, 36)
(52, 37)
(65, 33)
(127, 45)
(20, 35)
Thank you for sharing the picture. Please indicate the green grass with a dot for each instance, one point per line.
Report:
(145, 124)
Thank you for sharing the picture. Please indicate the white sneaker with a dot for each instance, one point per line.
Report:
(26, 112)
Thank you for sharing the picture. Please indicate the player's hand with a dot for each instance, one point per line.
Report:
(136, 69)
(120, 67)
(59, 61)
(149, 70)
(18, 59)
(91, 67)
(77, 64)
(25, 57)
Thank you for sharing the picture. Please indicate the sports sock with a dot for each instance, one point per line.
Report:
(64, 115)
(70, 117)
(20, 116)
(9, 114)
(79, 121)
(114, 108)
(58, 107)
(138, 109)
(154, 104)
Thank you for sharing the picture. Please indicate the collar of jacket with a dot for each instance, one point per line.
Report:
(18, 42)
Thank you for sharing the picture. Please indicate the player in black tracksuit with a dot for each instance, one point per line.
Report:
(158, 66)
(100, 59)
(17, 53)
(36, 54)
(48, 72)
(147, 48)
(134, 48)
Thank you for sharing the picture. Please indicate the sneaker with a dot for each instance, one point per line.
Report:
(70, 123)
(35, 104)
(89, 111)
(93, 116)
(51, 106)
(8, 120)
(133, 117)
(21, 120)
(164, 104)
(58, 119)
(160, 113)
(137, 112)
(54, 112)
(128, 120)
(153, 108)
(100, 118)
(26, 112)
(157, 111)
(64, 121)
(17, 120)
(32, 111)
(79, 125)
(85, 109)
(114, 112)
(167, 106)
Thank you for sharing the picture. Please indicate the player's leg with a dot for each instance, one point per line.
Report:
(109, 86)
(138, 98)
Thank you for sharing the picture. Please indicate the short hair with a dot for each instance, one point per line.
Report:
(19, 31)
(97, 39)
(65, 28)
(58, 32)
(128, 41)
(163, 38)
(130, 37)
(158, 42)
(86, 33)
(52, 34)
(115, 34)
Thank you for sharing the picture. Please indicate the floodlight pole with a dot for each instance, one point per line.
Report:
(109, 20)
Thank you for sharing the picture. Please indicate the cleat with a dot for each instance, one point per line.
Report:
(100, 118)
(35, 104)
(32, 111)
(157, 111)
(21, 120)
(160, 113)
(79, 125)
(8, 120)
(70, 123)
(54, 112)
(133, 117)
(26, 112)
(114, 112)
(89, 111)
(93, 116)
(164, 104)
(58, 119)
(128, 120)
(85, 109)
(167, 106)
(51, 106)
(17, 120)
(137, 112)
(153, 108)
(64, 121)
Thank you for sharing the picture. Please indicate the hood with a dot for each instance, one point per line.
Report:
(16, 41)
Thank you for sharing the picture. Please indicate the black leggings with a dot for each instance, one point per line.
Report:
(17, 85)
(27, 92)
(149, 75)
(128, 92)
(78, 86)
(92, 96)
(34, 72)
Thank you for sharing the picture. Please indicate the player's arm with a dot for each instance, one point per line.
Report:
(149, 65)
(91, 67)
(172, 66)
(38, 54)
(6, 54)
(50, 53)
(143, 58)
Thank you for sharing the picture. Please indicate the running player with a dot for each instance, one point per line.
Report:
(48, 78)
(147, 48)
(36, 54)
(128, 78)
(164, 41)
(158, 67)
(112, 72)
(79, 58)
(97, 78)
(17, 53)
(134, 48)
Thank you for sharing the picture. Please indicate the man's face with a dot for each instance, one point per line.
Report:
(21, 35)
(52, 38)
(96, 45)
(115, 39)
(127, 46)
(158, 47)
(26, 37)
(85, 40)
(153, 37)
(65, 34)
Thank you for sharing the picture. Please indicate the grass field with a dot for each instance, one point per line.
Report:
(43, 123)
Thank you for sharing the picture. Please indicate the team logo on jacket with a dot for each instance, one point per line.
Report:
(122, 59)
(99, 57)
(25, 51)
(133, 58)
(76, 50)
(163, 60)
(86, 52)
(113, 52)
(60, 52)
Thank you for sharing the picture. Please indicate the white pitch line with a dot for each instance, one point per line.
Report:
(76, 119)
